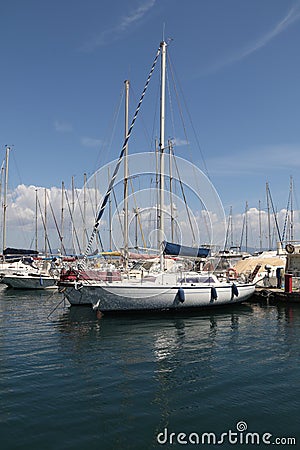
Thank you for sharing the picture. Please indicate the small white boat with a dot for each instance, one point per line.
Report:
(30, 280)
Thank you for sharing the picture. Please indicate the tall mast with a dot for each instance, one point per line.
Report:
(109, 216)
(62, 215)
(163, 47)
(5, 196)
(231, 227)
(246, 223)
(268, 211)
(45, 221)
(72, 213)
(292, 210)
(157, 186)
(84, 212)
(259, 221)
(126, 176)
(36, 220)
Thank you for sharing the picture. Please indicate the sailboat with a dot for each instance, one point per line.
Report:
(161, 289)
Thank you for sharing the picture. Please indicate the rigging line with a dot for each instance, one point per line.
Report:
(229, 223)
(112, 127)
(13, 190)
(73, 223)
(118, 212)
(81, 214)
(171, 104)
(184, 198)
(188, 113)
(16, 166)
(56, 224)
(275, 216)
(185, 131)
(156, 108)
(44, 225)
(148, 138)
(94, 213)
(242, 233)
(112, 181)
(286, 216)
(137, 213)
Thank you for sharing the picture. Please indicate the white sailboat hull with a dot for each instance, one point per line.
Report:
(150, 297)
(29, 282)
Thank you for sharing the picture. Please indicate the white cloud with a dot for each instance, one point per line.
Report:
(178, 142)
(136, 15)
(122, 25)
(246, 161)
(90, 142)
(292, 16)
(21, 213)
(62, 127)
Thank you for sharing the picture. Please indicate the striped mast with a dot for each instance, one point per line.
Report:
(114, 176)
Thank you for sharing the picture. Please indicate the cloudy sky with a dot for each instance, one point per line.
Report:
(63, 70)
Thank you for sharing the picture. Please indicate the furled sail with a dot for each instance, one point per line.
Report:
(19, 252)
(182, 250)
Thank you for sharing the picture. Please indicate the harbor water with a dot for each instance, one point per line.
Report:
(69, 380)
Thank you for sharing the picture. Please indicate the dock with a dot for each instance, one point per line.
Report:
(274, 295)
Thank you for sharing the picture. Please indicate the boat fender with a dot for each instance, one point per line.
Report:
(234, 290)
(213, 294)
(181, 295)
(77, 285)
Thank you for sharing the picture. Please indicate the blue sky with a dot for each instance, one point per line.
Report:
(63, 67)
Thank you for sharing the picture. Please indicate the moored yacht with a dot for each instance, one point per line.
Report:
(162, 289)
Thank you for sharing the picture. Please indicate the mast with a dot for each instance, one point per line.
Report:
(157, 184)
(229, 232)
(269, 220)
(84, 212)
(1, 182)
(109, 216)
(62, 215)
(36, 220)
(5, 196)
(72, 212)
(98, 241)
(231, 227)
(246, 223)
(163, 47)
(259, 221)
(126, 176)
(45, 223)
(292, 210)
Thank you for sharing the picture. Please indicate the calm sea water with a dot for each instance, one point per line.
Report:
(72, 381)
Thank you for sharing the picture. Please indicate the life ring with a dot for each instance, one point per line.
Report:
(290, 248)
(232, 273)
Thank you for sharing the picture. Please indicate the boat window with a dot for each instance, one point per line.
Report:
(197, 280)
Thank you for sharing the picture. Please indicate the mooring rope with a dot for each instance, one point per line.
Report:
(113, 178)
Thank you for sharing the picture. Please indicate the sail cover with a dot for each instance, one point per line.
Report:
(19, 252)
(182, 250)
